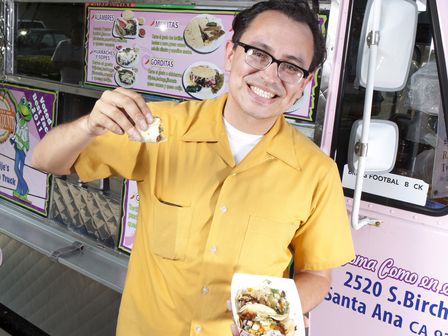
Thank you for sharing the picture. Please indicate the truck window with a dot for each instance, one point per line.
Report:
(49, 41)
(49, 45)
(418, 180)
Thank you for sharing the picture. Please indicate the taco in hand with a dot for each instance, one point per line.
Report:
(154, 133)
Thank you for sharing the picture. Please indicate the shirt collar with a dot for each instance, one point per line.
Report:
(208, 126)
(281, 143)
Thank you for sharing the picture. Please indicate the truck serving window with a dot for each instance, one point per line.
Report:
(49, 41)
(90, 209)
(418, 180)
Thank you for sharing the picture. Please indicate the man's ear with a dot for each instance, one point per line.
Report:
(230, 51)
(308, 79)
(303, 84)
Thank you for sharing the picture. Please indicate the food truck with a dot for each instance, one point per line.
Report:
(377, 106)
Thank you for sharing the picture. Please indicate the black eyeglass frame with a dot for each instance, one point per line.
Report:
(246, 48)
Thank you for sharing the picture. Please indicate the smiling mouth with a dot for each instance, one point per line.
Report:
(261, 93)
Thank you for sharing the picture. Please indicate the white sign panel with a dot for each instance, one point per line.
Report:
(402, 188)
(396, 286)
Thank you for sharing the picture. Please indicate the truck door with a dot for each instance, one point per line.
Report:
(398, 282)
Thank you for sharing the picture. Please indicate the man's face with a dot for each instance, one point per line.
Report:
(258, 97)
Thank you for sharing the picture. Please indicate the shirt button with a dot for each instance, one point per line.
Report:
(204, 290)
(198, 329)
(223, 209)
(213, 249)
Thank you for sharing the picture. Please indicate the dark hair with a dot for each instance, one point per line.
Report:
(297, 10)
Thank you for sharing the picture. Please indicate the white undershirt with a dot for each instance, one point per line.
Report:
(240, 143)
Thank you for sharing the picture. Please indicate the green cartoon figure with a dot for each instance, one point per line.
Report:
(21, 141)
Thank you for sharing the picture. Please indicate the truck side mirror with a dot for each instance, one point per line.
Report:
(385, 53)
(381, 149)
(395, 39)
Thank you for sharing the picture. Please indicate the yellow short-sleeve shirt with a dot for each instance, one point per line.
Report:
(203, 218)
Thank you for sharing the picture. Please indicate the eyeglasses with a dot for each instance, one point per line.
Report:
(261, 60)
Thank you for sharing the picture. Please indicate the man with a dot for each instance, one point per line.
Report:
(233, 189)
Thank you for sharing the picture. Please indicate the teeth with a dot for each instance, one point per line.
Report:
(261, 92)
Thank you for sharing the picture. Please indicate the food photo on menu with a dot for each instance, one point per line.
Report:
(127, 57)
(127, 26)
(125, 73)
(204, 34)
(125, 77)
(266, 306)
(203, 80)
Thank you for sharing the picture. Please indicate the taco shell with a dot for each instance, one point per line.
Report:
(154, 133)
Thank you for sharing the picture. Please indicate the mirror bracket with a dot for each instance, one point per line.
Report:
(361, 148)
(375, 40)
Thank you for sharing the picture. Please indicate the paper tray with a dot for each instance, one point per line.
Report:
(241, 281)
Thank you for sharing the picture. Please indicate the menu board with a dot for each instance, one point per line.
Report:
(175, 53)
(26, 115)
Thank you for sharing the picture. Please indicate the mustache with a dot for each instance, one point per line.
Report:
(260, 82)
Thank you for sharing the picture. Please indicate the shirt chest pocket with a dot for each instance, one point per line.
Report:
(266, 245)
(171, 228)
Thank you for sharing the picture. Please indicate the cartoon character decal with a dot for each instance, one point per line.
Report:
(20, 139)
(26, 115)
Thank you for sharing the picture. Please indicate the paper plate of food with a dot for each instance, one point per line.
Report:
(127, 57)
(263, 305)
(125, 26)
(204, 34)
(203, 80)
(125, 77)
